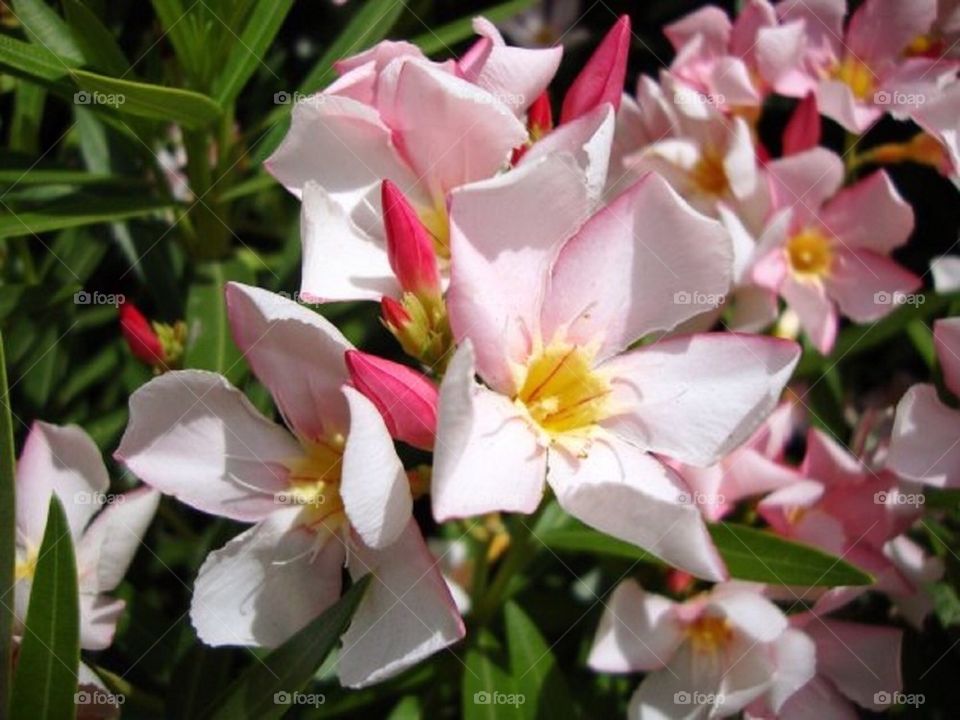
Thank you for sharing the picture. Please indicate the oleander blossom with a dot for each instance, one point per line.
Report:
(545, 299)
(429, 128)
(709, 656)
(327, 492)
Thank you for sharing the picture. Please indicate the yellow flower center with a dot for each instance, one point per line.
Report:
(709, 174)
(857, 75)
(810, 253)
(437, 223)
(563, 394)
(314, 483)
(709, 634)
(26, 564)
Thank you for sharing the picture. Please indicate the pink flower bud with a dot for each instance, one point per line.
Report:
(406, 399)
(803, 129)
(601, 80)
(409, 245)
(140, 336)
(393, 313)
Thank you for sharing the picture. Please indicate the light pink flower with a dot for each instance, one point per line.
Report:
(710, 656)
(548, 22)
(755, 468)
(545, 301)
(825, 249)
(862, 72)
(856, 664)
(429, 128)
(328, 491)
(106, 535)
(737, 64)
(926, 435)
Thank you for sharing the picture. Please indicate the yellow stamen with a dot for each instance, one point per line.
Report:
(437, 223)
(709, 174)
(709, 634)
(26, 565)
(314, 482)
(810, 254)
(857, 75)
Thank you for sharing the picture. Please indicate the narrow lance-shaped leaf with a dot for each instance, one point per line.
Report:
(47, 29)
(258, 693)
(7, 530)
(534, 668)
(45, 680)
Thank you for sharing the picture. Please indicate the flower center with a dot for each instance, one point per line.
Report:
(562, 393)
(709, 634)
(857, 75)
(709, 174)
(314, 483)
(437, 223)
(26, 564)
(810, 253)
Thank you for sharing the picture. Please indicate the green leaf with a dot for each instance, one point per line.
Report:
(46, 676)
(946, 604)
(38, 378)
(210, 345)
(95, 40)
(534, 669)
(750, 554)
(51, 176)
(67, 215)
(177, 28)
(31, 62)
(439, 39)
(291, 666)
(757, 555)
(486, 689)
(47, 29)
(407, 709)
(8, 523)
(250, 47)
(27, 116)
(155, 102)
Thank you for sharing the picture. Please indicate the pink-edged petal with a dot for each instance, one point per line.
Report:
(778, 507)
(63, 460)
(296, 353)
(867, 286)
(804, 181)
(881, 29)
(340, 260)
(732, 79)
(711, 23)
(696, 398)
(266, 583)
(487, 457)
(638, 631)
(601, 79)
(778, 56)
(406, 615)
(863, 661)
(625, 492)
(506, 233)
(946, 336)
(374, 487)
(823, 21)
(814, 309)
(837, 102)
(740, 161)
(466, 135)
(589, 139)
(749, 675)
(340, 144)
(515, 76)
(816, 700)
(753, 309)
(646, 262)
(830, 462)
(750, 474)
(884, 228)
(99, 615)
(946, 273)
(748, 611)
(926, 439)
(407, 400)
(794, 656)
(107, 547)
(670, 693)
(194, 436)
(380, 55)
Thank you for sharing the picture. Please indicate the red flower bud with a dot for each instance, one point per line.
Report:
(140, 336)
(393, 313)
(803, 129)
(409, 245)
(601, 80)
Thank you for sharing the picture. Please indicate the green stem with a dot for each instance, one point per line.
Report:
(520, 553)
